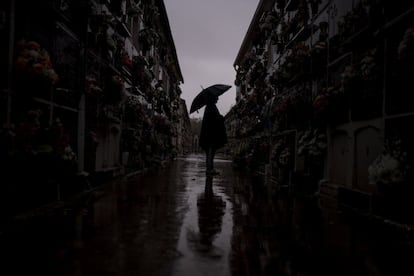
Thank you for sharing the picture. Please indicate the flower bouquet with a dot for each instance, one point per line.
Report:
(34, 61)
(312, 142)
(406, 45)
(282, 153)
(390, 169)
(92, 88)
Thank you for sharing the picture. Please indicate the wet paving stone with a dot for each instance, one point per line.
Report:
(177, 221)
(156, 223)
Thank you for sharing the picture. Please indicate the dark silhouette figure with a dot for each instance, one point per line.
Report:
(210, 214)
(213, 133)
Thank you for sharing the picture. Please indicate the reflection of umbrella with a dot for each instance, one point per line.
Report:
(201, 99)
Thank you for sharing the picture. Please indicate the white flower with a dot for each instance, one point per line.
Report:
(385, 169)
(68, 154)
(312, 142)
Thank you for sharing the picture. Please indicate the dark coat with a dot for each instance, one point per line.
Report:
(213, 132)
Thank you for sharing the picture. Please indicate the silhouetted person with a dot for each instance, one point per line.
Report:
(213, 133)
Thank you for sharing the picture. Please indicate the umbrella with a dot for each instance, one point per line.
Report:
(201, 99)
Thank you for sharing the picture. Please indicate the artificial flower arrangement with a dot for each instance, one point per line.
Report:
(161, 123)
(391, 167)
(300, 51)
(296, 63)
(368, 66)
(365, 70)
(46, 151)
(353, 21)
(151, 12)
(134, 8)
(302, 14)
(285, 157)
(323, 101)
(34, 60)
(300, 19)
(134, 109)
(118, 82)
(60, 141)
(270, 21)
(122, 55)
(126, 60)
(139, 62)
(30, 138)
(281, 153)
(91, 87)
(312, 142)
(149, 35)
(406, 45)
(331, 105)
(25, 133)
(68, 154)
(349, 78)
(320, 104)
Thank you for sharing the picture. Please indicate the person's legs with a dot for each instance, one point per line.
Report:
(210, 160)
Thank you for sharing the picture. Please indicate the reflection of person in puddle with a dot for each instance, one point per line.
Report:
(210, 215)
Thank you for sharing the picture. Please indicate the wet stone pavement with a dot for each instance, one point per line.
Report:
(173, 221)
(177, 221)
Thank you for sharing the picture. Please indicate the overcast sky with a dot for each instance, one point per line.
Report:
(207, 36)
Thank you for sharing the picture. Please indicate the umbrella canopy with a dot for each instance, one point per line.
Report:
(201, 99)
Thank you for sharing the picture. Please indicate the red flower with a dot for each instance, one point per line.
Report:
(320, 104)
(127, 60)
(33, 45)
(21, 64)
